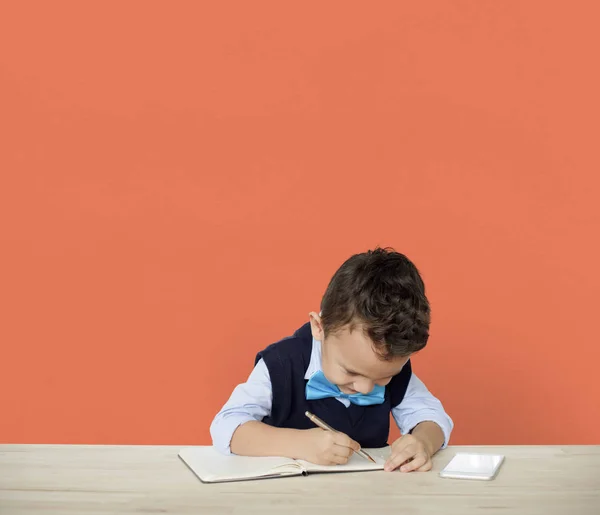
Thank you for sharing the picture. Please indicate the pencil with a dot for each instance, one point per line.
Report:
(318, 422)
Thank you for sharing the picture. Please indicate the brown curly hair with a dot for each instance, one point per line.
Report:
(382, 291)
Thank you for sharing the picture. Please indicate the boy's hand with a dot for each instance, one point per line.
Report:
(409, 453)
(327, 447)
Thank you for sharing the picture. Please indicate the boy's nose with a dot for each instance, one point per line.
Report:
(364, 387)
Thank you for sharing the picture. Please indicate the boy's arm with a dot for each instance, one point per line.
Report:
(249, 402)
(257, 439)
(425, 427)
(431, 435)
(238, 429)
(419, 406)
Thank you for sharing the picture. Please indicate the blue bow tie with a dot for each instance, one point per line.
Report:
(319, 387)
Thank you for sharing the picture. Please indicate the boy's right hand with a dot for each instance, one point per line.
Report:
(327, 447)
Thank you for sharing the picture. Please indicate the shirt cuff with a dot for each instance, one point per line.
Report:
(222, 429)
(445, 424)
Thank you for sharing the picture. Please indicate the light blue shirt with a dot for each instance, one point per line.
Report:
(252, 400)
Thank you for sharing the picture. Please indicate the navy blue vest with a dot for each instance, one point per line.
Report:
(287, 362)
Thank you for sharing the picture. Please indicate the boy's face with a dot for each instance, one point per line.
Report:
(350, 361)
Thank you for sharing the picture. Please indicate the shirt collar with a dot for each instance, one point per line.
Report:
(315, 359)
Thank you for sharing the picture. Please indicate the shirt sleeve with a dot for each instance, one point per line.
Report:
(419, 405)
(251, 400)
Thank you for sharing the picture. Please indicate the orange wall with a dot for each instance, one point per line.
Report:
(179, 180)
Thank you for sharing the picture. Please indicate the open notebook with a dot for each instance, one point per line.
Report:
(213, 467)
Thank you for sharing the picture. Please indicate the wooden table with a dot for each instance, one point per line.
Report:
(82, 480)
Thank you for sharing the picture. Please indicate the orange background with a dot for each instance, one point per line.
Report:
(179, 181)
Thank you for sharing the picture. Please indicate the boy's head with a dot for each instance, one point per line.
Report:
(374, 315)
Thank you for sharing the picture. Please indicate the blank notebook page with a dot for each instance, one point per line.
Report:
(209, 464)
(355, 463)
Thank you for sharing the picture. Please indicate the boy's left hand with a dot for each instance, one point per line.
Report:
(409, 453)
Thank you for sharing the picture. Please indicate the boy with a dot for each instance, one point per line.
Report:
(350, 366)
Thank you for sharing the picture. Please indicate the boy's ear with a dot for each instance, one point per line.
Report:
(316, 326)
